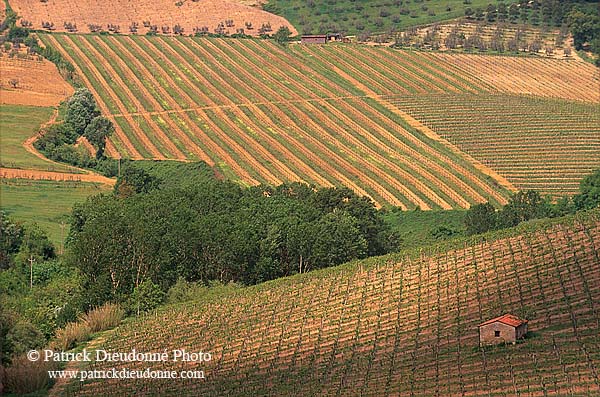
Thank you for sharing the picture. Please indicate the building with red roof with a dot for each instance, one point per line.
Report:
(504, 329)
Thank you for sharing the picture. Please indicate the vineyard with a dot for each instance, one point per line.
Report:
(264, 114)
(395, 325)
(545, 77)
(542, 144)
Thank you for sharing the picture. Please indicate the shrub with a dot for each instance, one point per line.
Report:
(184, 291)
(104, 317)
(24, 376)
(73, 333)
(99, 319)
(145, 297)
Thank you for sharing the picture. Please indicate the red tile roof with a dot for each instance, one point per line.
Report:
(507, 319)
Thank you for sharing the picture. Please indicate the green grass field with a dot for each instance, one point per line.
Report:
(421, 228)
(17, 123)
(353, 17)
(44, 202)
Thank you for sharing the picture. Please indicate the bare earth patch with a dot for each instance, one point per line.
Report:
(14, 173)
(31, 82)
(189, 14)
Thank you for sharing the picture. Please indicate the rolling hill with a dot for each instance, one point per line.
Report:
(267, 114)
(187, 14)
(394, 325)
(547, 145)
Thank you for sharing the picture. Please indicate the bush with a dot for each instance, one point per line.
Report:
(99, 319)
(145, 297)
(24, 337)
(104, 317)
(24, 376)
(184, 291)
(73, 333)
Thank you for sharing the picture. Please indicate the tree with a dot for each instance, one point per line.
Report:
(481, 218)
(523, 206)
(282, 36)
(135, 180)
(81, 110)
(513, 13)
(584, 27)
(35, 243)
(338, 240)
(502, 12)
(97, 131)
(11, 236)
(491, 13)
(589, 196)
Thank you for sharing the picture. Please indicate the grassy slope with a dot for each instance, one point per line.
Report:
(18, 123)
(395, 325)
(349, 15)
(44, 202)
(418, 228)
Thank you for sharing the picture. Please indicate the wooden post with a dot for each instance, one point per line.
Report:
(62, 236)
(31, 260)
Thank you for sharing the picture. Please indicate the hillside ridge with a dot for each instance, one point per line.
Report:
(396, 325)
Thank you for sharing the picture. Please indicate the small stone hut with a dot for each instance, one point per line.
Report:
(314, 39)
(503, 329)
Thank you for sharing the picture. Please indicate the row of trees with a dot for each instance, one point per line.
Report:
(216, 230)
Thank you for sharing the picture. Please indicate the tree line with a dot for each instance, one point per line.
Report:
(524, 206)
(216, 230)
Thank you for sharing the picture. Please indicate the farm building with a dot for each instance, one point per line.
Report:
(322, 38)
(503, 329)
(314, 39)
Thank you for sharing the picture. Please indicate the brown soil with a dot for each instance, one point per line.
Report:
(12, 173)
(38, 82)
(82, 141)
(572, 79)
(189, 15)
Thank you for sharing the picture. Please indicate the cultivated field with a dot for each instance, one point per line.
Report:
(31, 82)
(189, 15)
(390, 326)
(266, 114)
(523, 36)
(547, 145)
(572, 79)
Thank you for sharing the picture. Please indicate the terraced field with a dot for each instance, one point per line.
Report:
(390, 326)
(264, 114)
(543, 144)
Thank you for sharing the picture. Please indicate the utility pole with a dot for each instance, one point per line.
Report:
(62, 236)
(31, 260)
